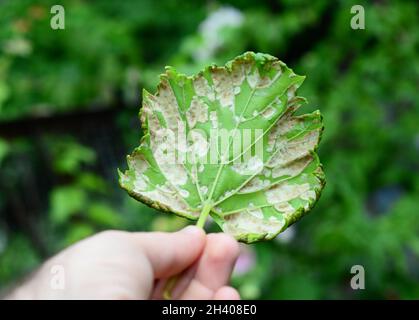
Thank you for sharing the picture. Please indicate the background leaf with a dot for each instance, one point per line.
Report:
(66, 202)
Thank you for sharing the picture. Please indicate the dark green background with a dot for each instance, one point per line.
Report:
(68, 115)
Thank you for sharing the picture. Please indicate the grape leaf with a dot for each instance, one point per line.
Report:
(226, 142)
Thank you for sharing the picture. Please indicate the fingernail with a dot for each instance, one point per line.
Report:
(191, 230)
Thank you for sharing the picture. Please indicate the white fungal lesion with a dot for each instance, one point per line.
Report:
(198, 145)
(291, 91)
(203, 89)
(263, 180)
(292, 169)
(163, 146)
(150, 104)
(250, 167)
(175, 173)
(201, 168)
(138, 163)
(267, 172)
(258, 81)
(285, 208)
(184, 193)
(203, 190)
(255, 184)
(237, 74)
(194, 173)
(165, 195)
(253, 78)
(141, 183)
(283, 126)
(223, 87)
(227, 194)
(214, 119)
(308, 195)
(167, 98)
(197, 112)
(257, 213)
(247, 222)
(286, 150)
(269, 112)
(154, 124)
(285, 191)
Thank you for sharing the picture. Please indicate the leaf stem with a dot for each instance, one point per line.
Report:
(204, 215)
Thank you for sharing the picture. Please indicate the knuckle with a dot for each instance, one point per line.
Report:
(109, 234)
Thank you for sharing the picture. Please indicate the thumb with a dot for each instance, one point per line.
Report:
(171, 253)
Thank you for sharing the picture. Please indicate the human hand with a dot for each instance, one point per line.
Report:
(136, 265)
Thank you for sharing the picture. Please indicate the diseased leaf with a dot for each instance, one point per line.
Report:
(226, 142)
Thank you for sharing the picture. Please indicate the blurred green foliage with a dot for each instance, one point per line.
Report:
(365, 82)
